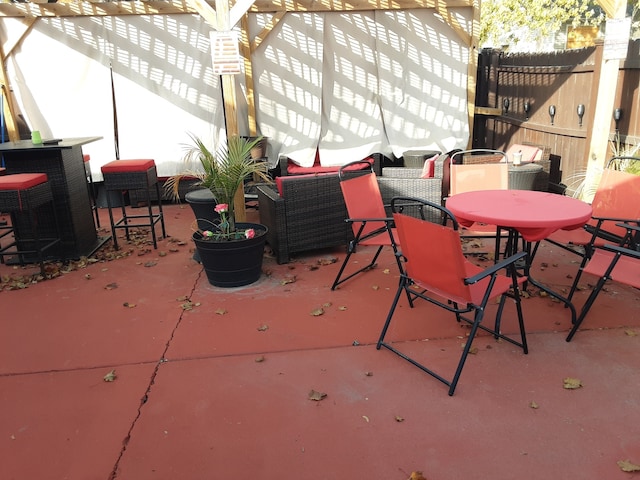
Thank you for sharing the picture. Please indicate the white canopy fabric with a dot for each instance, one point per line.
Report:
(163, 84)
(348, 84)
(351, 84)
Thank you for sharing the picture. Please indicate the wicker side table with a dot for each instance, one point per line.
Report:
(523, 177)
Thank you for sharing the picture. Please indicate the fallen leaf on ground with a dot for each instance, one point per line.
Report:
(263, 328)
(399, 419)
(571, 383)
(631, 333)
(187, 306)
(129, 305)
(417, 476)
(111, 376)
(317, 312)
(221, 311)
(342, 308)
(533, 405)
(288, 279)
(260, 359)
(111, 286)
(316, 396)
(327, 261)
(150, 264)
(627, 466)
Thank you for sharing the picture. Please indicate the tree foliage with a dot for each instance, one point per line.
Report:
(513, 21)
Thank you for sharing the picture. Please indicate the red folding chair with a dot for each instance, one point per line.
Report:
(610, 262)
(615, 202)
(436, 270)
(370, 222)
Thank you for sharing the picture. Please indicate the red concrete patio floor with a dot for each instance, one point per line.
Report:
(221, 390)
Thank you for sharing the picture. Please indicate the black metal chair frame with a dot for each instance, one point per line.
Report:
(618, 252)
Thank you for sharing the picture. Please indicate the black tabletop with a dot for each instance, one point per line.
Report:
(63, 143)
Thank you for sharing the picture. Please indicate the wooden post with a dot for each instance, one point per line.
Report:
(607, 83)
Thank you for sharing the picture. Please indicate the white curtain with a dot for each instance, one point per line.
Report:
(345, 84)
(163, 83)
(351, 84)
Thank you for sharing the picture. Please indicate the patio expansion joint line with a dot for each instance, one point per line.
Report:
(145, 398)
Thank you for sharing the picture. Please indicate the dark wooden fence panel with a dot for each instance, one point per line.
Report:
(563, 80)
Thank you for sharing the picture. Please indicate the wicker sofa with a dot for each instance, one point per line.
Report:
(407, 182)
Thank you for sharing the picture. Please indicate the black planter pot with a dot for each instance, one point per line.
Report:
(233, 263)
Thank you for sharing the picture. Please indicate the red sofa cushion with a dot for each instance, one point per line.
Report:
(295, 169)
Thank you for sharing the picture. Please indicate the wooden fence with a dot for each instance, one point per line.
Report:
(529, 88)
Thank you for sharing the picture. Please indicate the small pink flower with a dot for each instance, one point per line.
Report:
(250, 233)
(207, 234)
(222, 207)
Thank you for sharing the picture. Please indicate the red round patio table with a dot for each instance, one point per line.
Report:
(535, 215)
(530, 214)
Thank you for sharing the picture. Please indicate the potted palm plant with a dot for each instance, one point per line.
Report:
(231, 253)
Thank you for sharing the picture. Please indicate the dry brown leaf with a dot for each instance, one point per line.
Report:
(368, 374)
(111, 286)
(263, 328)
(150, 264)
(316, 396)
(327, 261)
(386, 271)
(534, 405)
(627, 466)
(88, 276)
(187, 306)
(342, 308)
(221, 311)
(571, 383)
(399, 419)
(375, 287)
(631, 333)
(129, 305)
(182, 298)
(260, 359)
(288, 279)
(317, 312)
(111, 376)
(417, 476)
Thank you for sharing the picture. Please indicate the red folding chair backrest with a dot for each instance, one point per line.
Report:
(434, 257)
(617, 196)
(363, 200)
(481, 176)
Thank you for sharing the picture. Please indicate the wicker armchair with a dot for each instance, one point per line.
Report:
(310, 214)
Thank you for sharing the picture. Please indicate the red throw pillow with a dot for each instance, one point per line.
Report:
(429, 168)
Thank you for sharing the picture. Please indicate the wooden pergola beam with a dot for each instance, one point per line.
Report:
(93, 8)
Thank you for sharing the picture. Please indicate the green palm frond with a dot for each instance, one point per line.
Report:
(222, 171)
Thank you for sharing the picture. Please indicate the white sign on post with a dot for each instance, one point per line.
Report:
(225, 53)
(616, 38)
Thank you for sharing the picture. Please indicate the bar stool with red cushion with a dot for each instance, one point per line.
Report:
(122, 175)
(23, 194)
(93, 194)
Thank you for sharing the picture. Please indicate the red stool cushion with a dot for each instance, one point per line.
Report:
(124, 166)
(22, 181)
(86, 158)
